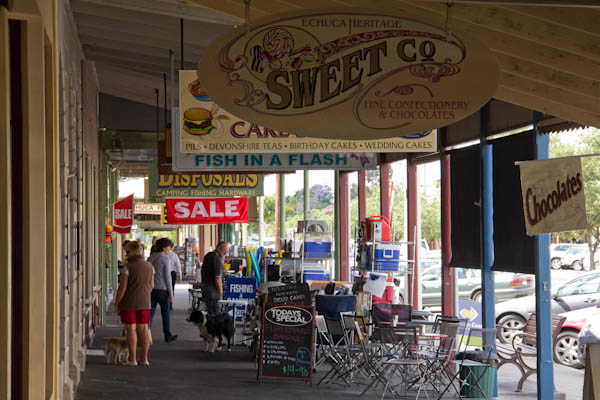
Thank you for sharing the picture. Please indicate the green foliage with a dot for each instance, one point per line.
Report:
(588, 143)
(269, 206)
(431, 217)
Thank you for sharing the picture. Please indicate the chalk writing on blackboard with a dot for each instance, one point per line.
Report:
(287, 340)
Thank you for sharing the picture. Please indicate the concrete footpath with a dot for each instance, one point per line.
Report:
(181, 370)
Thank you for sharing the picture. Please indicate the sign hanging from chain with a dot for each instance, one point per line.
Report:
(553, 195)
(123, 215)
(349, 73)
(207, 211)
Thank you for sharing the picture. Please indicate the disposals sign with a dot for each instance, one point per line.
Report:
(348, 73)
(123, 215)
(207, 211)
(553, 196)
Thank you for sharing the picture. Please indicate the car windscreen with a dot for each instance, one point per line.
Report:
(585, 285)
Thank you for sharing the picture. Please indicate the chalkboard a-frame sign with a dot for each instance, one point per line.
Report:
(298, 293)
(287, 342)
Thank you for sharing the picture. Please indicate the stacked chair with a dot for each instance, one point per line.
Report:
(394, 355)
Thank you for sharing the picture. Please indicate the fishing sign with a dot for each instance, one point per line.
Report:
(348, 73)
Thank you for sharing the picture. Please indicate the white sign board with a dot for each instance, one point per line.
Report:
(553, 195)
(266, 161)
(148, 208)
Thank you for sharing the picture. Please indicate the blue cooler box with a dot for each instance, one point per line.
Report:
(314, 273)
(317, 249)
(387, 257)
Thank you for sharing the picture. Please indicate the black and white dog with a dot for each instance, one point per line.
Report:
(213, 327)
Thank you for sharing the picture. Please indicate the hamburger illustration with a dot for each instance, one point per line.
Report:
(197, 121)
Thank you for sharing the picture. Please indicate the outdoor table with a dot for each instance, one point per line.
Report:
(235, 303)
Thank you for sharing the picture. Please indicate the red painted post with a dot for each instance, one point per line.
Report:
(201, 249)
(384, 187)
(413, 234)
(344, 226)
(278, 233)
(448, 306)
(362, 196)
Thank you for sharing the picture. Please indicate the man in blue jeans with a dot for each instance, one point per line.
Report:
(163, 290)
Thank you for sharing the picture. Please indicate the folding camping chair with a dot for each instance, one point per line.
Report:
(384, 314)
(339, 352)
(322, 341)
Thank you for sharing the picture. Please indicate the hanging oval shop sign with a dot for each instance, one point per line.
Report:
(351, 73)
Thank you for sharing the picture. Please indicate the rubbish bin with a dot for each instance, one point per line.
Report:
(476, 377)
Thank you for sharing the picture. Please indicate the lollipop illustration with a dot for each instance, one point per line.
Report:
(278, 52)
(277, 43)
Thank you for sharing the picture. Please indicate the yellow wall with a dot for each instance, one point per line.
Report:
(5, 206)
(40, 191)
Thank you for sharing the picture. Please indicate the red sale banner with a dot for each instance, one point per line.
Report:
(188, 211)
(123, 215)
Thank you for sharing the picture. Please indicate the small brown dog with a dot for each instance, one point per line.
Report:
(116, 349)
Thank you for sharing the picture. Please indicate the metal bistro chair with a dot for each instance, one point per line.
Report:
(483, 352)
(348, 319)
(407, 365)
(371, 364)
(439, 349)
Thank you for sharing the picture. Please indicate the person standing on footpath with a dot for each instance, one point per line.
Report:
(175, 269)
(133, 301)
(163, 290)
(212, 271)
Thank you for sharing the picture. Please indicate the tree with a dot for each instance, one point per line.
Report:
(589, 143)
(321, 196)
(269, 207)
(353, 191)
(431, 217)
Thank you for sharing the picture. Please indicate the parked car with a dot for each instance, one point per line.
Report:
(590, 333)
(567, 350)
(587, 262)
(557, 251)
(507, 285)
(577, 257)
(581, 292)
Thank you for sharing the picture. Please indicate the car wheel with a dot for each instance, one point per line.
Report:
(556, 263)
(476, 296)
(510, 324)
(400, 299)
(566, 350)
(577, 266)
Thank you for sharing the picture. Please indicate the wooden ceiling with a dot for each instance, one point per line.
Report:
(130, 40)
(549, 56)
